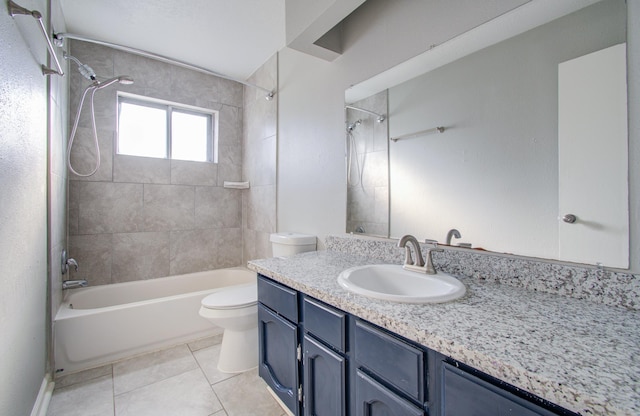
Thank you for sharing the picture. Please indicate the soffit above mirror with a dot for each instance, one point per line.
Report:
(516, 21)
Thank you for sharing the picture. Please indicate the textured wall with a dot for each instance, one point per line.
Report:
(259, 162)
(140, 218)
(58, 133)
(23, 212)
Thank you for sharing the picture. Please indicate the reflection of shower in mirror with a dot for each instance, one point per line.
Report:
(352, 156)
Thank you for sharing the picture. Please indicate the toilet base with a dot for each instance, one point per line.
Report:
(238, 351)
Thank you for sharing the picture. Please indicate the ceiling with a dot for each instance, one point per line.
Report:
(230, 37)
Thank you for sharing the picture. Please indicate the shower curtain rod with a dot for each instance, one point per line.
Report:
(59, 37)
(380, 117)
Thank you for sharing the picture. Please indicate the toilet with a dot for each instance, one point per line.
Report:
(235, 309)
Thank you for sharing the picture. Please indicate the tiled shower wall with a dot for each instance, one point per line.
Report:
(140, 218)
(259, 162)
(368, 183)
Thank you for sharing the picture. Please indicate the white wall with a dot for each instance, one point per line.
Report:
(23, 212)
(311, 164)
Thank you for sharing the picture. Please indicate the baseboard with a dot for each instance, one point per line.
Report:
(41, 405)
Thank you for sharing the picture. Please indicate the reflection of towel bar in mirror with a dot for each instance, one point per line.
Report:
(417, 134)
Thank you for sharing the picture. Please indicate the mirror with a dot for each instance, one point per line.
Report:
(495, 171)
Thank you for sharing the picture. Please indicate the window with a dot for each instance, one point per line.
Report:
(155, 128)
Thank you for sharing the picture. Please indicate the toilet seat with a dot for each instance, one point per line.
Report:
(232, 298)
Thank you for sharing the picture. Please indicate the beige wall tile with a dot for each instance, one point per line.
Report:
(84, 156)
(137, 169)
(230, 126)
(140, 256)
(193, 173)
(218, 208)
(168, 207)
(144, 71)
(261, 206)
(150, 205)
(230, 92)
(186, 86)
(93, 254)
(198, 250)
(106, 207)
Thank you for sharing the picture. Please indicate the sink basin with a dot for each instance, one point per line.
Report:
(393, 283)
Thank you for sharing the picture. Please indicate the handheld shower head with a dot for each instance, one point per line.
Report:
(122, 79)
(125, 80)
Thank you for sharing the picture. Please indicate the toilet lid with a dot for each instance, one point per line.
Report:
(232, 298)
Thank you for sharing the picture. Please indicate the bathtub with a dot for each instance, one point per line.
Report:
(102, 324)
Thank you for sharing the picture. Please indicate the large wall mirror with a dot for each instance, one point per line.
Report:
(519, 142)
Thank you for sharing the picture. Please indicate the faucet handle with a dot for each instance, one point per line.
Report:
(430, 269)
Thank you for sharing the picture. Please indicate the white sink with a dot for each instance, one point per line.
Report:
(393, 283)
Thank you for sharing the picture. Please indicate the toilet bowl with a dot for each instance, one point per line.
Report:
(235, 309)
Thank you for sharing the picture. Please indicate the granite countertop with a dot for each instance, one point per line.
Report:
(578, 354)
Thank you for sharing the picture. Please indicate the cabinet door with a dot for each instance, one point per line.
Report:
(466, 395)
(324, 380)
(278, 344)
(373, 399)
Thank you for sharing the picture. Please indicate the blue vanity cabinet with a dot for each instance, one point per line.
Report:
(278, 344)
(324, 359)
(463, 393)
(321, 361)
(324, 387)
(390, 375)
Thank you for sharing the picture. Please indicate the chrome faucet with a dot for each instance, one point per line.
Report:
(74, 263)
(452, 233)
(419, 264)
(74, 284)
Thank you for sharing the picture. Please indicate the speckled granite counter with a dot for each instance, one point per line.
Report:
(578, 354)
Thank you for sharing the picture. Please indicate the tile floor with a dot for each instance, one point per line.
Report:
(181, 380)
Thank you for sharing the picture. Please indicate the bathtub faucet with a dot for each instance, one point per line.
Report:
(74, 284)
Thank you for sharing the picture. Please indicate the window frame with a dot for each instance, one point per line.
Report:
(170, 107)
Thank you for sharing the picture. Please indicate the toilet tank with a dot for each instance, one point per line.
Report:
(288, 244)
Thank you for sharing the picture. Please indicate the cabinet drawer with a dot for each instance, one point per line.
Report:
(325, 322)
(373, 399)
(390, 359)
(465, 394)
(279, 298)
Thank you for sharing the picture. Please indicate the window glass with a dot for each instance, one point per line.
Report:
(142, 131)
(155, 128)
(190, 137)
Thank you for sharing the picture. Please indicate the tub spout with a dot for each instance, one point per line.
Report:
(74, 284)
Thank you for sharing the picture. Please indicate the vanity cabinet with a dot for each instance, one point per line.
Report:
(278, 344)
(390, 374)
(320, 361)
(302, 350)
(324, 359)
(466, 394)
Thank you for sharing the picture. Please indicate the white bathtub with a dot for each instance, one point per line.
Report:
(98, 325)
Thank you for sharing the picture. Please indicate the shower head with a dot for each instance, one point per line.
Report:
(125, 80)
(352, 126)
(122, 79)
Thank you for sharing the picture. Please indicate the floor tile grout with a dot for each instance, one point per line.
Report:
(177, 361)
